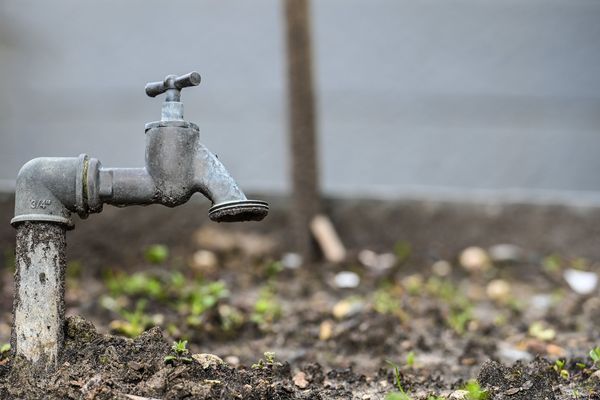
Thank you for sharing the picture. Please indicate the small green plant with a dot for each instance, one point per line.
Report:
(200, 298)
(137, 284)
(273, 268)
(402, 250)
(552, 263)
(559, 367)
(410, 359)
(475, 392)
(267, 308)
(401, 393)
(595, 355)
(135, 322)
(156, 253)
(4, 353)
(458, 319)
(179, 353)
(386, 301)
(460, 309)
(269, 359)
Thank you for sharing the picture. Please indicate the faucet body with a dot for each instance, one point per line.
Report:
(177, 166)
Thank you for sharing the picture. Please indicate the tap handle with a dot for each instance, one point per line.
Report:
(172, 85)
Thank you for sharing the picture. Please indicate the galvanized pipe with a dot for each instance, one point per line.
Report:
(39, 306)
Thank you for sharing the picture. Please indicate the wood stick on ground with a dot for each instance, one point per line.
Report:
(328, 239)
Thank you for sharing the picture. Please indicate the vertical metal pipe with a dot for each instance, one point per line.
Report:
(303, 142)
(39, 306)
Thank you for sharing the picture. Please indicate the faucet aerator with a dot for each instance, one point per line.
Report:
(239, 211)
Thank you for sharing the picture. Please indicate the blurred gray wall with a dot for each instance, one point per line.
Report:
(425, 98)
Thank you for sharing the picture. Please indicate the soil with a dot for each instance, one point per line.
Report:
(441, 324)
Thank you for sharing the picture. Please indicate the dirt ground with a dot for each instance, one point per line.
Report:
(425, 318)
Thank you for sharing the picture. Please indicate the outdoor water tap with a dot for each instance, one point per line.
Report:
(177, 166)
(48, 190)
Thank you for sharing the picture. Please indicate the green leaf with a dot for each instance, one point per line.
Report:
(157, 253)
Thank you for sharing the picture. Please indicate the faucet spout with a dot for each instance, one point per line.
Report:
(229, 203)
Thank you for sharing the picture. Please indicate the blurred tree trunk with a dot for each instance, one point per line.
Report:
(303, 146)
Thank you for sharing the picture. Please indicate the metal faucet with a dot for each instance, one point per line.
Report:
(50, 189)
(177, 166)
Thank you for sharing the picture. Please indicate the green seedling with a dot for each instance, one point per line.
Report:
(179, 353)
(458, 320)
(581, 365)
(4, 351)
(475, 392)
(559, 367)
(385, 301)
(200, 298)
(266, 309)
(268, 360)
(410, 359)
(273, 269)
(402, 250)
(460, 309)
(595, 355)
(552, 263)
(135, 322)
(401, 393)
(156, 253)
(138, 284)
(231, 318)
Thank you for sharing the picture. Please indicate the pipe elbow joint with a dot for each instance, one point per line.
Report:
(49, 189)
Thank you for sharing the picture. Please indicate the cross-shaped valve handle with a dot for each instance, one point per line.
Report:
(172, 85)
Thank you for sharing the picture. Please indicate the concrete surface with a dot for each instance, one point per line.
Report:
(431, 98)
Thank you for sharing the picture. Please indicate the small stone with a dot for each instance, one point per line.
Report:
(441, 268)
(346, 279)
(377, 262)
(540, 331)
(136, 366)
(582, 282)
(555, 351)
(509, 354)
(512, 391)
(595, 377)
(300, 380)
(326, 330)
(474, 259)
(347, 308)
(498, 290)
(459, 395)
(539, 304)
(591, 311)
(291, 260)
(204, 261)
(234, 361)
(505, 253)
(207, 360)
